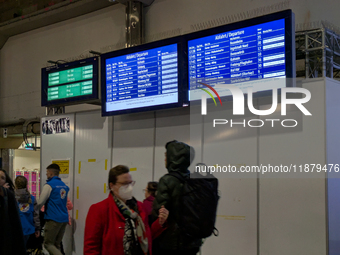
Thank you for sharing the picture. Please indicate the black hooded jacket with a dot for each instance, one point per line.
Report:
(179, 157)
(11, 235)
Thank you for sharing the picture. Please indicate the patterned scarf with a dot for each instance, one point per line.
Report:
(135, 240)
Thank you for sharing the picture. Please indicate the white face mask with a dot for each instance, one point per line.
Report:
(125, 192)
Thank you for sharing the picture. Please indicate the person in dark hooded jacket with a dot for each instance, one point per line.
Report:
(11, 236)
(178, 157)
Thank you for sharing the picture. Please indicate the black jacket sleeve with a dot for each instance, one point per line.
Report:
(163, 196)
(14, 217)
(11, 230)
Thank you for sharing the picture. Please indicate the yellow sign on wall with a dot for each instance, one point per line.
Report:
(64, 166)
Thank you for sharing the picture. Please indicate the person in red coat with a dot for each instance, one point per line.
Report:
(150, 194)
(118, 225)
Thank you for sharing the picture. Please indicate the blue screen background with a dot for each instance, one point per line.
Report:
(254, 52)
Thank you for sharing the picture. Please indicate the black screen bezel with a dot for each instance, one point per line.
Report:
(181, 68)
(287, 15)
(72, 100)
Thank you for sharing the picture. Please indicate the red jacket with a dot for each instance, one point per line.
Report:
(147, 203)
(104, 228)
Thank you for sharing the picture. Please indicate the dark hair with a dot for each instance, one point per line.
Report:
(116, 171)
(20, 182)
(152, 188)
(8, 180)
(54, 168)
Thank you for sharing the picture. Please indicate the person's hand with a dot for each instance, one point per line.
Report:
(6, 185)
(37, 233)
(163, 215)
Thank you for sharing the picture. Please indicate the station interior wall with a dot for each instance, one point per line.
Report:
(271, 216)
(333, 157)
(257, 214)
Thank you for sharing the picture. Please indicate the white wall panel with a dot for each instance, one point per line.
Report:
(133, 143)
(292, 211)
(93, 145)
(333, 157)
(237, 209)
(59, 147)
(173, 125)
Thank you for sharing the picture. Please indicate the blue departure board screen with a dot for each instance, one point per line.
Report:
(141, 79)
(238, 57)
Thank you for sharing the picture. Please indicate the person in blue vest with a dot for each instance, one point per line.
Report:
(54, 197)
(30, 221)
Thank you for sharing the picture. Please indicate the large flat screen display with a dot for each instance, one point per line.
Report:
(70, 83)
(255, 53)
(142, 78)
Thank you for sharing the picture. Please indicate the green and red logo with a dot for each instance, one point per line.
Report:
(213, 90)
